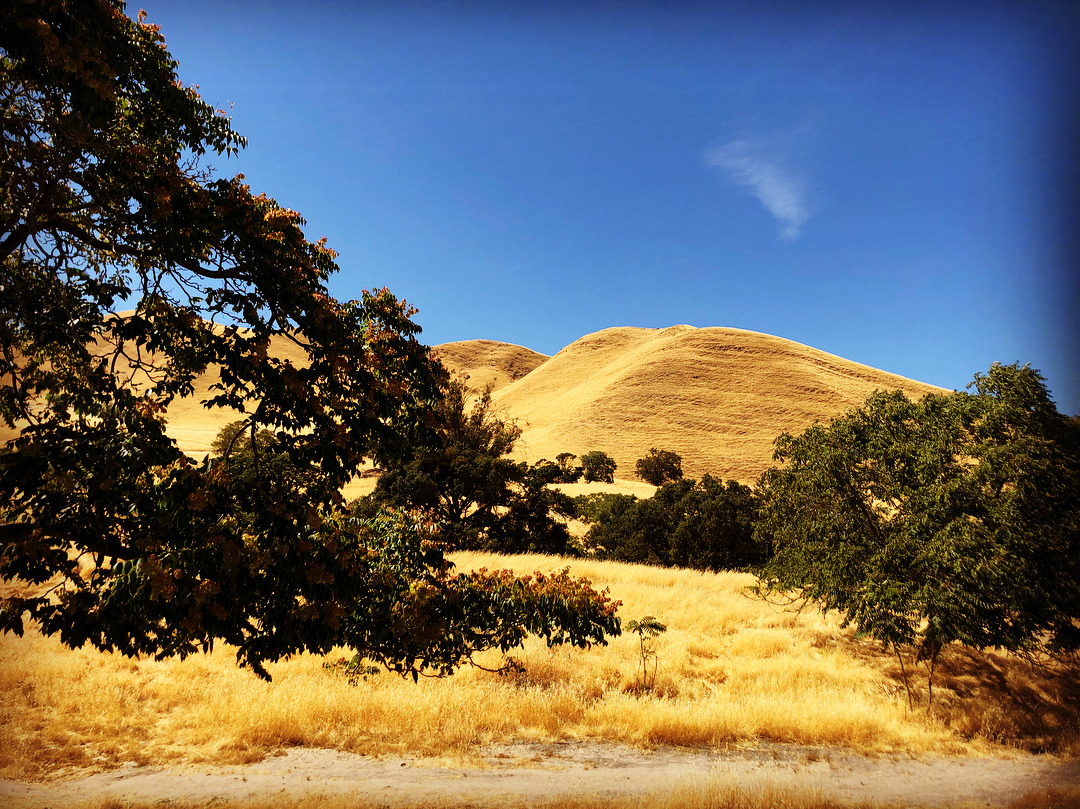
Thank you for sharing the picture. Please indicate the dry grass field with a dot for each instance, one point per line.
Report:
(732, 671)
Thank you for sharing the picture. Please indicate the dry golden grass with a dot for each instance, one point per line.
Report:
(716, 396)
(733, 670)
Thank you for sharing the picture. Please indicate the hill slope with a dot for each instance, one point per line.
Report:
(716, 396)
(480, 362)
(483, 362)
(193, 426)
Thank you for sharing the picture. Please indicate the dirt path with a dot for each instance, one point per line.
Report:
(542, 770)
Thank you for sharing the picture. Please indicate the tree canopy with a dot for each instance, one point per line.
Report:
(706, 525)
(129, 269)
(598, 467)
(954, 518)
(463, 476)
(659, 466)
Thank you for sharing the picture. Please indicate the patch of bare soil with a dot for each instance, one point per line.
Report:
(542, 770)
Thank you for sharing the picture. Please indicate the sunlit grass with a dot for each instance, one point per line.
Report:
(732, 670)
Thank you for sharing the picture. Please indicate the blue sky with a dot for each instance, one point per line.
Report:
(893, 183)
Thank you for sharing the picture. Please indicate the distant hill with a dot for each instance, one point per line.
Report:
(483, 362)
(716, 396)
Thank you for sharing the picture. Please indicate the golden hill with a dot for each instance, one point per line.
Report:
(193, 426)
(716, 396)
(487, 362)
(479, 362)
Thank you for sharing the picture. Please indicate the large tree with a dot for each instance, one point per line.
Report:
(954, 518)
(659, 467)
(122, 540)
(598, 467)
(463, 476)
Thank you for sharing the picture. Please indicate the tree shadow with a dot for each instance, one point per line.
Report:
(989, 695)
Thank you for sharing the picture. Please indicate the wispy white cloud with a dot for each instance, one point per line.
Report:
(780, 191)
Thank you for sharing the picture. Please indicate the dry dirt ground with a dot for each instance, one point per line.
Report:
(533, 771)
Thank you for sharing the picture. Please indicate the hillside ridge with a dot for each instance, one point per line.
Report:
(487, 362)
(717, 396)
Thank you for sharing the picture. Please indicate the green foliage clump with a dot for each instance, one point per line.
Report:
(706, 525)
(601, 506)
(568, 472)
(598, 467)
(418, 616)
(479, 498)
(659, 467)
(952, 519)
(258, 467)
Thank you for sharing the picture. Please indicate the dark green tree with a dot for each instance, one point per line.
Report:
(570, 473)
(479, 497)
(598, 467)
(950, 519)
(461, 474)
(659, 467)
(533, 518)
(706, 525)
(716, 527)
(117, 538)
(258, 468)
